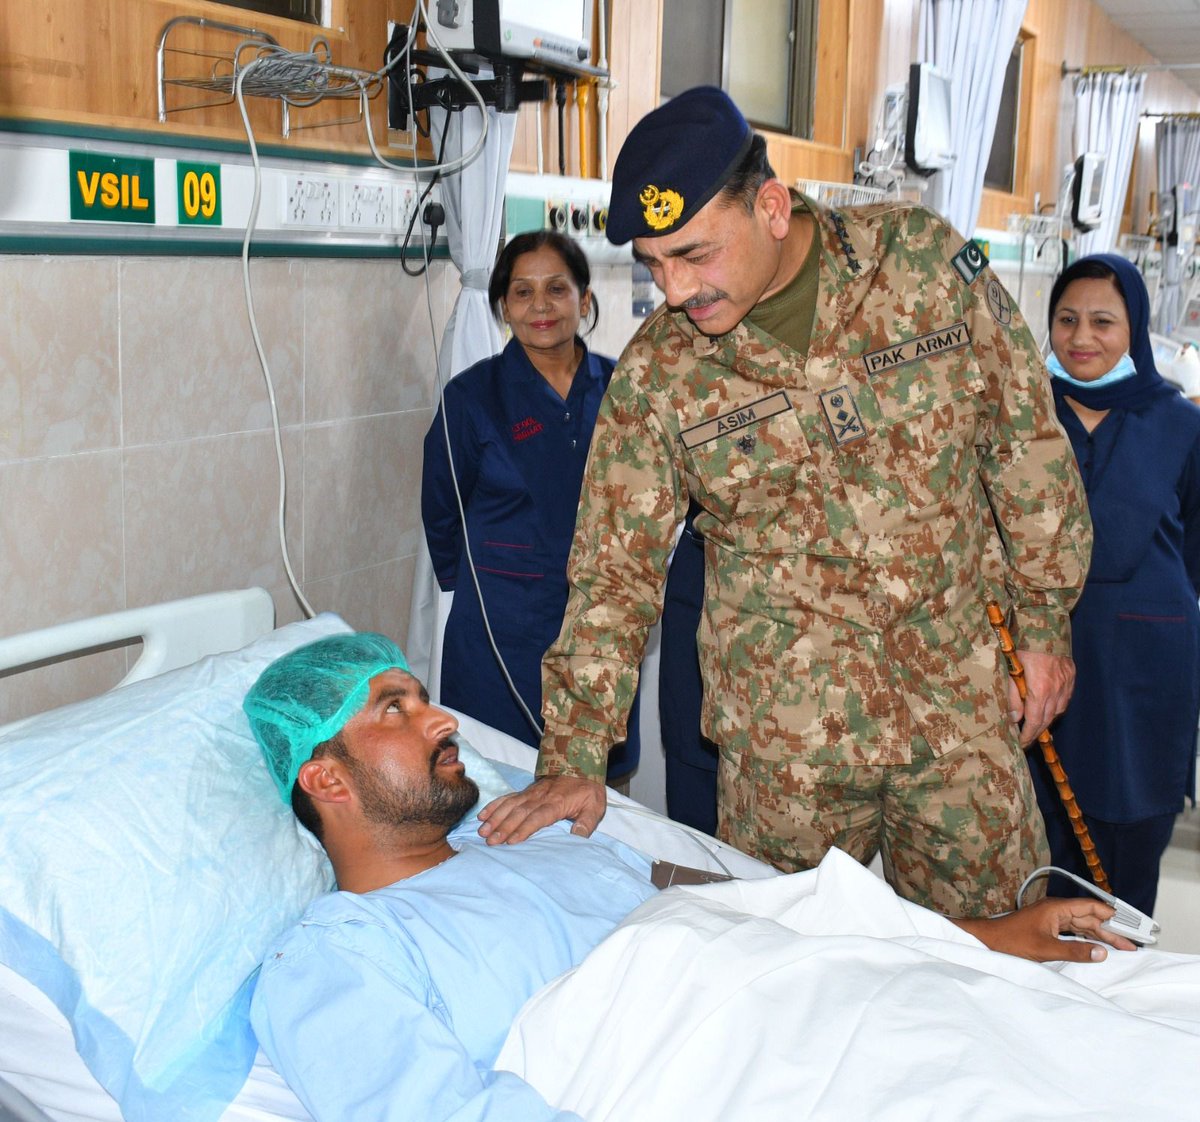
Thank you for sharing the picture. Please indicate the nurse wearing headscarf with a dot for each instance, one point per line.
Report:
(1128, 738)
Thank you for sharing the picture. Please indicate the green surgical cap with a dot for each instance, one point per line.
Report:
(307, 696)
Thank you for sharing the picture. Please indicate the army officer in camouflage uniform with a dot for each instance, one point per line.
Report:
(860, 410)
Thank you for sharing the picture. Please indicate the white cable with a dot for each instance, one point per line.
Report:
(309, 69)
(1126, 920)
(444, 168)
(461, 161)
(262, 355)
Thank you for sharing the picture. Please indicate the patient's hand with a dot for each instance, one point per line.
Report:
(513, 818)
(1033, 932)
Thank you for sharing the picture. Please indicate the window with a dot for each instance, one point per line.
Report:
(307, 10)
(761, 52)
(1001, 173)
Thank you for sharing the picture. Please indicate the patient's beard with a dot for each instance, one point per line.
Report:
(440, 802)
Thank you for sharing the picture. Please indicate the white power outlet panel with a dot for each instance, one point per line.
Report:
(366, 206)
(311, 201)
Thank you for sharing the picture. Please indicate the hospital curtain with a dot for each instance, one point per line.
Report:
(971, 40)
(474, 202)
(1177, 148)
(1107, 109)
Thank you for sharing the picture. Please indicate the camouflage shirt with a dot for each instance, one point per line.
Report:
(851, 499)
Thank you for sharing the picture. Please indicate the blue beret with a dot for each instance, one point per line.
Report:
(673, 162)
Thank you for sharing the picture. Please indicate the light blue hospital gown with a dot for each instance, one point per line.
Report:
(394, 1004)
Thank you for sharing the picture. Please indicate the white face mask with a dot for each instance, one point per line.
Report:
(1124, 369)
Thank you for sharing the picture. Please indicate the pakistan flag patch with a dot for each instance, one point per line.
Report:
(969, 261)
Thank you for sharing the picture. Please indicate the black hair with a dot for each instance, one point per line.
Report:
(754, 169)
(1085, 268)
(567, 248)
(302, 804)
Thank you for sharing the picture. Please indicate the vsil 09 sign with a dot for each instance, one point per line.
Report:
(111, 188)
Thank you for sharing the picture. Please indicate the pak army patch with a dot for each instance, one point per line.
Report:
(969, 261)
(841, 414)
(949, 338)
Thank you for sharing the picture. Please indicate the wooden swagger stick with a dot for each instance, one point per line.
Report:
(1049, 753)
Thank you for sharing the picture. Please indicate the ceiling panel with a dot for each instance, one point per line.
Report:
(1168, 29)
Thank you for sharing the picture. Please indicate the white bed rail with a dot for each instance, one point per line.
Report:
(172, 634)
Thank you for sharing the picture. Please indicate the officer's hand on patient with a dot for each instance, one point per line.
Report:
(1049, 680)
(515, 817)
(1033, 932)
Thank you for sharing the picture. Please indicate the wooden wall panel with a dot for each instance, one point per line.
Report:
(833, 45)
(93, 62)
(866, 71)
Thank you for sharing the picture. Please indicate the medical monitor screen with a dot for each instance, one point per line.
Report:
(558, 18)
(557, 33)
(927, 141)
(1087, 207)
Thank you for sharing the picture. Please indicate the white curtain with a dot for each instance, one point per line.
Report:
(474, 202)
(1177, 148)
(1107, 110)
(971, 40)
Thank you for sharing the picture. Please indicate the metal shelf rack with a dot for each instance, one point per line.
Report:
(296, 79)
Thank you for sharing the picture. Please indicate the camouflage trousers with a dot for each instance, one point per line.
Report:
(958, 833)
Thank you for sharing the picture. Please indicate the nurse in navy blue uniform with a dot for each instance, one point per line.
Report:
(519, 425)
(1128, 738)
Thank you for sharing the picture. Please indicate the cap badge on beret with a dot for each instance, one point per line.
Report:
(662, 207)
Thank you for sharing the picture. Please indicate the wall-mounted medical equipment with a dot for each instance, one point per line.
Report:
(928, 145)
(1087, 186)
(569, 204)
(504, 37)
(912, 134)
(556, 35)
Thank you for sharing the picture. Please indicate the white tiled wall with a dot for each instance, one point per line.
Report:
(136, 458)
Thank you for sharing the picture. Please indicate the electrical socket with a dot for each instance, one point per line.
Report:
(311, 201)
(366, 206)
(434, 198)
(404, 203)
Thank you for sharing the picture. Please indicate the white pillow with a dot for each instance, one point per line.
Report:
(146, 862)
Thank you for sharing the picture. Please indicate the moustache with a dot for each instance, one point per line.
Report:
(703, 299)
(447, 742)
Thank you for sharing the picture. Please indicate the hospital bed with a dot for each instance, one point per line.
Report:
(174, 693)
(145, 863)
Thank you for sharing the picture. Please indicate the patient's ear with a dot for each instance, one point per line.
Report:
(323, 780)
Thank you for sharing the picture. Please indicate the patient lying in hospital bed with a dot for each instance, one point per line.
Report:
(701, 1004)
(401, 987)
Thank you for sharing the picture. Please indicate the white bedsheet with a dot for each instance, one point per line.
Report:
(706, 1004)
